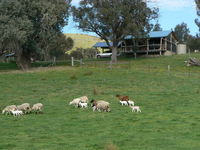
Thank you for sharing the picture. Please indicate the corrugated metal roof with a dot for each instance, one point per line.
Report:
(102, 44)
(158, 34)
(154, 34)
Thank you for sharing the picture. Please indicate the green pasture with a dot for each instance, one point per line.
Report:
(169, 100)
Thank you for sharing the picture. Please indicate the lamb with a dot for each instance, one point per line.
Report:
(82, 105)
(37, 107)
(135, 108)
(123, 103)
(131, 103)
(100, 105)
(24, 107)
(8, 109)
(17, 112)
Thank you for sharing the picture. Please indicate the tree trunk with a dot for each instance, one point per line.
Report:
(114, 55)
(22, 61)
(114, 51)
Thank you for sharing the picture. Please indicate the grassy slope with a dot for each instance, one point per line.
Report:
(83, 40)
(170, 117)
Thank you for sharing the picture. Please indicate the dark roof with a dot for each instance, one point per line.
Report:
(154, 34)
(102, 44)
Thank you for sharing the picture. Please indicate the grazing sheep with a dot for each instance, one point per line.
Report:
(37, 107)
(24, 107)
(82, 105)
(131, 103)
(17, 112)
(123, 103)
(100, 105)
(122, 98)
(135, 108)
(75, 102)
(8, 109)
(84, 99)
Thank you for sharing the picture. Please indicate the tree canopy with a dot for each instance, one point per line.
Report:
(182, 32)
(198, 13)
(113, 20)
(27, 27)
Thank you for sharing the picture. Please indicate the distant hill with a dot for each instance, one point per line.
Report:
(83, 40)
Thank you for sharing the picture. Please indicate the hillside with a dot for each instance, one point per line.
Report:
(83, 40)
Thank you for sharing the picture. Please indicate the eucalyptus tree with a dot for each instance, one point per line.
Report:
(27, 27)
(113, 20)
(157, 27)
(198, 13)
(182, 32)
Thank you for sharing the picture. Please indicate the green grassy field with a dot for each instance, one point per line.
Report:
(169, 100)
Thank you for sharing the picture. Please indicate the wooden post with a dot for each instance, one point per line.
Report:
(168, 68)
(161, 44)
(165, 44)
(72, 61)
(135, 55)
(54, 60)
(171, 41)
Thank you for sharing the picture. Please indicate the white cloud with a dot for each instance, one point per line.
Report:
(174, 4)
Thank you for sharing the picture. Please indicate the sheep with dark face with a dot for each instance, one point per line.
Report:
(25, 107)
(100, 105)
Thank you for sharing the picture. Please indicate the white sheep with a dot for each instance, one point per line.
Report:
(82, 105)
(17, 112)
(135, 108)
(37, 107)
(84, 99)
(75, 102)
(8, 109)
(123, 103)
(100, 105)
(24, 107)
(131, 103)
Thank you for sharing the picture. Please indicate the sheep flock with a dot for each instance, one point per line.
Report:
(80, 102)
(25, 108)
(103, 106)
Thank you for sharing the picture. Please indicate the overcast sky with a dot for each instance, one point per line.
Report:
(172, 12)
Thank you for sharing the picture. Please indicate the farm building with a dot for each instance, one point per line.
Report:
(104, 46)
(157, 42)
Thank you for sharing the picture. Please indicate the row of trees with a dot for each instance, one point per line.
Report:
(33, 28)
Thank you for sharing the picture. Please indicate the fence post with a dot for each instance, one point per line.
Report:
(168, 68)
(54, 60)
(72, 61)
